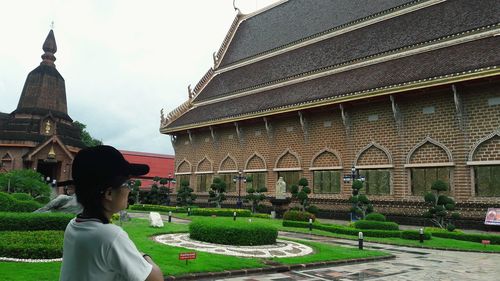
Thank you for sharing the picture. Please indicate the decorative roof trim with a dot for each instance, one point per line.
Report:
(183, 173)
(424, 47)
(329, 150)
(432, 141)
(258, 155)
(353, 96)
(479, 142)
(53, 139)
(232, 31)
(180, 163)
(336, 31)
(376, 145)
(228, 156)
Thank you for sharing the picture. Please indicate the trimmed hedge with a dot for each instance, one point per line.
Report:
(415, 235)
(158, 208)
(375, 217)
(239, 233)
(8, 203)
(31, 244)
(21, 196)
(345, 230)
(293, 215)
(382, 225)
(494, 239)
(220, 212)
(262, 216)
(34, 221)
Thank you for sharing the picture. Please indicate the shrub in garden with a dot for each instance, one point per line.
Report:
(25, 181)
(298, 216)
(255, 195)
(375, 217)
(494, 239)
(415, 235)
(301, 192)
(222, 212)
(158, 208)
(10, 204)
(185, 194)
(21, 196)
(361, 205)
(42, 199)
(240, 233)
(382, 225)
(440, 206)
(34, 221)
(31, 244)
(216, 192)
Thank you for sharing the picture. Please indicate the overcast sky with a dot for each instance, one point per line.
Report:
(122, 61)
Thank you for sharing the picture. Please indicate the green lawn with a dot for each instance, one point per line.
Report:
(167, 257)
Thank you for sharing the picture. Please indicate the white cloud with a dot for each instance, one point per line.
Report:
(122, 60)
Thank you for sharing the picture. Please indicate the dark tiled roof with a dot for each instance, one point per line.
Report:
(297, 19)
(436, 21)
(43, 112)
(44, 89)
(455, 59)
(4, 115)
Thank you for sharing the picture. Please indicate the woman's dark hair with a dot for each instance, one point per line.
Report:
(89, 194)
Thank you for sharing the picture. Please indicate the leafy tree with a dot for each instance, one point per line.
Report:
(184, 194)
(300, 192)
(440, 206)
(361, 205)
(216, 193)
(86, 138)
(24, 181)
(255, 195)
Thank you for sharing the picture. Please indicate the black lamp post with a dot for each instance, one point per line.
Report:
(239, 178)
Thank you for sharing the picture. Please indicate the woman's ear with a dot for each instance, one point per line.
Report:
(108, 193)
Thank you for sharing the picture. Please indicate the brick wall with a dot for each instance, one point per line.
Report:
(428, 126)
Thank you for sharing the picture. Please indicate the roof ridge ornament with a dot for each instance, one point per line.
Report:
(50, 48)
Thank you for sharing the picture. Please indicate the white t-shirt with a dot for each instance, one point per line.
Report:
(95, 251)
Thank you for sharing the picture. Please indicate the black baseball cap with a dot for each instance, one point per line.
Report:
(103, 165)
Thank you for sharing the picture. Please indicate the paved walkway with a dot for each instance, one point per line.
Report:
(410, 264)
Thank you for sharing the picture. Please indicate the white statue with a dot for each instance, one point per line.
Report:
(280, 189)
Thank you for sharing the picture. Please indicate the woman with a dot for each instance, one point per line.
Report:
(93, 248)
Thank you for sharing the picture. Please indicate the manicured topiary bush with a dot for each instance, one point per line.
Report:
(375, 217)
(298, 216)
(34, 221)
(239, 232)
(31, 244)
(10, 204)
(22, 196)
(415, 235)
(221, 212)
(158, 208)
(382, 225)
(6, 201)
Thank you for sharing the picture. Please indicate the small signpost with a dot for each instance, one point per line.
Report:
(187, 256)
(485, 242)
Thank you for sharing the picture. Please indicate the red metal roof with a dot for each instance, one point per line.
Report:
(160, 165)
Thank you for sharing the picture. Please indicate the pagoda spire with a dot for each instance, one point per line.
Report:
(50, 48)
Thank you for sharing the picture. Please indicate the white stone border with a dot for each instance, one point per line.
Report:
(282, 248)
(29, 260)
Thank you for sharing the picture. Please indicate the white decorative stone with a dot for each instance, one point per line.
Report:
(155, 219)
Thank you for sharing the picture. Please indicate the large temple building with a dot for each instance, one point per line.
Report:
(404, 92)
(39, 134)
